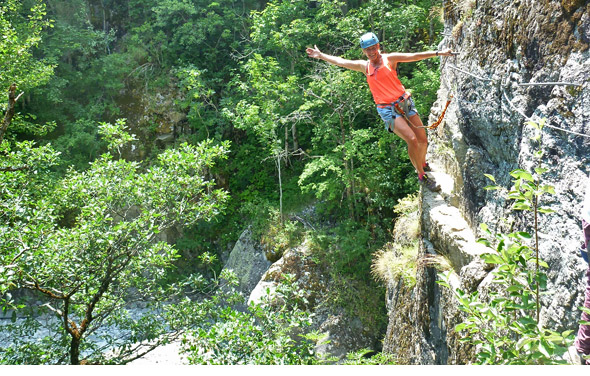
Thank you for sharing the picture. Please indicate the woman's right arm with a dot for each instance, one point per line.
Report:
(356, 65)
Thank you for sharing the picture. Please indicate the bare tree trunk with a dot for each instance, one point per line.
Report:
(12, 98)
(294, 136)
(77, 331)
(74, 332)
(346, 162)
(75, 351)
(286, 145)
(351, 177)
(280, 187)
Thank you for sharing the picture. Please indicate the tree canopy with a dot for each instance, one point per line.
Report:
(127, 121)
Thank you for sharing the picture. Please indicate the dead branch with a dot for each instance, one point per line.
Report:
(12, 98)
(12, 169)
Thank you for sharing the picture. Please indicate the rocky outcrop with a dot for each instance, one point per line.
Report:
(512, 44)
(504, 46)
(422, 317)
(343, 331)
(153, 117)
(248, 262)
(295, 261)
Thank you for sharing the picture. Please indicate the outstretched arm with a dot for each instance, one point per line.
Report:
(356, 65)
(409, 57)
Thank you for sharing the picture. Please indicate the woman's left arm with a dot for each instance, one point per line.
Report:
(417, 56)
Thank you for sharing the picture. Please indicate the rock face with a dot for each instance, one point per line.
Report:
(344, 332)
(248, 261)
(422, 317)
(503, 45)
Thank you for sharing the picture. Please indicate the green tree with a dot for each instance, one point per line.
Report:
(272, 331)
(93, 246)
(340, 102)
(21, 33)
(23, 166)
(270, 110)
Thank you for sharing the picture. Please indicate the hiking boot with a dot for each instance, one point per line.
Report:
(429, 183)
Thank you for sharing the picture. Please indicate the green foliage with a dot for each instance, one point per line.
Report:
(87, 75)
(330, 187)
(199, 99)
(238, 71)
(258, 87)
(269, 332)
(25, 211)
(21, 32)
(271, 99)
(505, 327)
(396, 262)
(528, 189)
(367, 357)
(274, 233)
(80, 145)
(361, 162)
(345, 253)
(346, 249)
(26, 124)
(90, 243)
(115, 135)
(400, 26)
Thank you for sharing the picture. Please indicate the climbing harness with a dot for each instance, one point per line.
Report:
(402, 107)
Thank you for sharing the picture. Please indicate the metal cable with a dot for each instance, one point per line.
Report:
(508, 99)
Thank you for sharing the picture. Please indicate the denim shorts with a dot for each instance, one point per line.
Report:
(389, 115)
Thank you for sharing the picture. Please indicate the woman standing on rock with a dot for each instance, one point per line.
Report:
(394, 104)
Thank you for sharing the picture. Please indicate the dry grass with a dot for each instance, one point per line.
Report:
(399, 258)
(397, 262)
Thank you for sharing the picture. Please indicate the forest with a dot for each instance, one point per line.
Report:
(140, 138)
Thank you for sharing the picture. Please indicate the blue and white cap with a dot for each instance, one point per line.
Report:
(368, 40)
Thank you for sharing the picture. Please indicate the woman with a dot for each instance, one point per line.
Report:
(388, 92)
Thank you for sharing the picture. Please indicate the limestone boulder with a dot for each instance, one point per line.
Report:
(343, 331)
(248, 262)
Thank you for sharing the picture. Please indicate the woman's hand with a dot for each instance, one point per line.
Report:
(313, 52)
(447, 52)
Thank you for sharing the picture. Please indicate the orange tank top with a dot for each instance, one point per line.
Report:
(384, 84)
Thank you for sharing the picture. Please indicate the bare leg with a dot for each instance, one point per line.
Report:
(406, 133)
(420, 137)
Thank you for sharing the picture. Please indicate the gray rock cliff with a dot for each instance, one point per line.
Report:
(503, 47)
